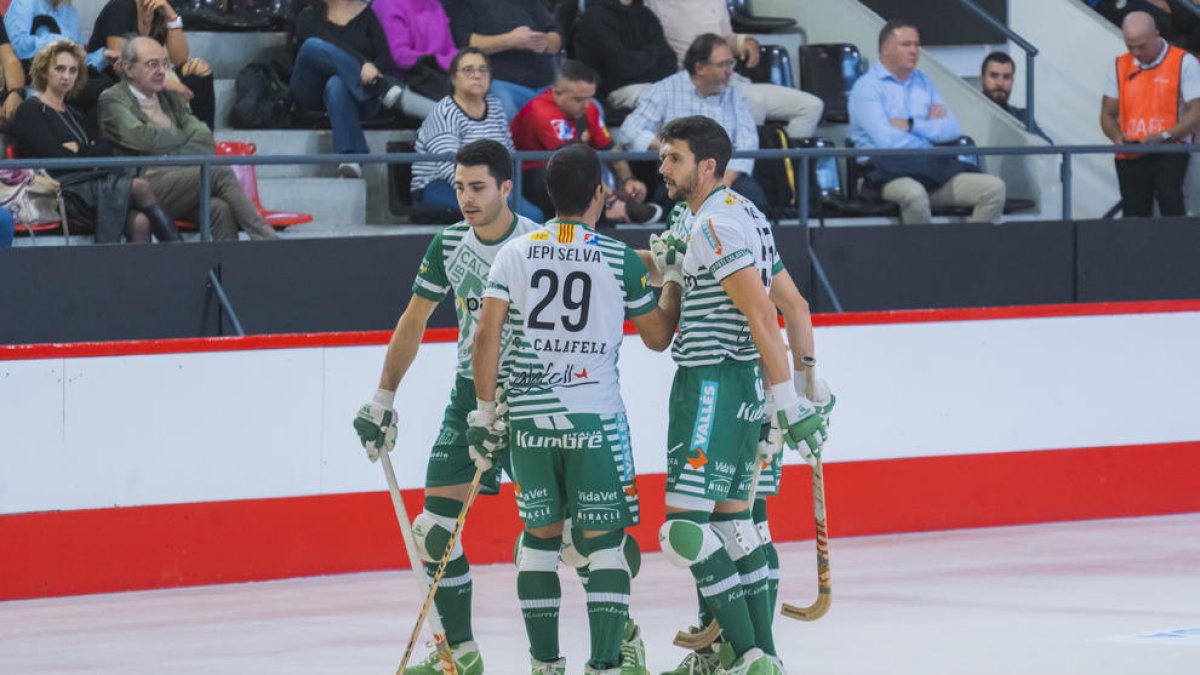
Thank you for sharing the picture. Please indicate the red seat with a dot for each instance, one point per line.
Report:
(248, 178)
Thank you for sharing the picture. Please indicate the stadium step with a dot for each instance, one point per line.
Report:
(228, 53)
(335, 203)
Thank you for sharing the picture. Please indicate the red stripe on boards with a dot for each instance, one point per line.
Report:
(364, 338)
(102, 550)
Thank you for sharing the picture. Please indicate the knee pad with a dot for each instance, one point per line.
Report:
(764, 531)
(532, 559)
(431, 533)
(740, 536)
(685, 542)
(568, 553)
(627, 556)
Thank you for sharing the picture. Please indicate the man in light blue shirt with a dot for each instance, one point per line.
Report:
(894, 105)
(701, 88)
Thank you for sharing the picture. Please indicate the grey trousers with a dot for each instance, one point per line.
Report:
(982, 191)
(178, 190)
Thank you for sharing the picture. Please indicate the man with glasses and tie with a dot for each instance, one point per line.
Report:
(139, 117)
(701, 88)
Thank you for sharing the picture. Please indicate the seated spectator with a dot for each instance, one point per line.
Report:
(33, 24)
(894, 105)
(191, 78)
(467, 114)
(6, 228)
(140, 117)
(566, 113)
(418, 34)
(105, 200)
(997, 75)
(14, 81)
(344, 66)
(685, 20)
(520, 37)
(701, 88)
(623, 40)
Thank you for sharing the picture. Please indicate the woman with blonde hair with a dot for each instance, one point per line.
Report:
(110, 201)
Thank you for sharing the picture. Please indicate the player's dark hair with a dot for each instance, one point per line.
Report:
(998, 57)
(572, 177)
(487, 153)
(578, 71)
(892, 26)
(701, 50)
(705, 138)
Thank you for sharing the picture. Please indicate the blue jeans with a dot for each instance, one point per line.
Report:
(6, 228)
(325, 77)
(512, 96)
(440, 194)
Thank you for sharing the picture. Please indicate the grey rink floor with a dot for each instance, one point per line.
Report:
(1096, 597)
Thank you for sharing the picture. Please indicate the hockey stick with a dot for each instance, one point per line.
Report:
(472, 493)
(418, 567)
(710, 633)
(824, 588)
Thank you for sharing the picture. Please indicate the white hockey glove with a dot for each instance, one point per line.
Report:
(485, 433)
(822, 399)
(376, 424)
(668, 250)
(798, 422)
(770, 439)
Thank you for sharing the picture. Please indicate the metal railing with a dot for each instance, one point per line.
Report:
(805, 157)
(1030, 53)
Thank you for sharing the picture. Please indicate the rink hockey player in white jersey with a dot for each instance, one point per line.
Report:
(565, 292)
(728, 341)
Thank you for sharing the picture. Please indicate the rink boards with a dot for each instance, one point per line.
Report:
(166, 463)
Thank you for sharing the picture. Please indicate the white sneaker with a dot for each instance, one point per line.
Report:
(391, 97)
(349, 170)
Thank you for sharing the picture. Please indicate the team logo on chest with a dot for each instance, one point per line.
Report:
(563, 130)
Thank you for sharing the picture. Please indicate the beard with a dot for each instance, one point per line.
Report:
(683, 191)
(998, 95)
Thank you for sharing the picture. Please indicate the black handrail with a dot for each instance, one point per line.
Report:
(1030, 52)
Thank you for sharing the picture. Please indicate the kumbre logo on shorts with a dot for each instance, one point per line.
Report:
(580, 440)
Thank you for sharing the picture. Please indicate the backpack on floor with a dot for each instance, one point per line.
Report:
(777, 176)
(263, 100)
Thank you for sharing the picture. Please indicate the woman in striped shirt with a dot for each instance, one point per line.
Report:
(468, 114)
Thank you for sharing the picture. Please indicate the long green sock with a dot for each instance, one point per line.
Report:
(607, 597)
(721, 588)
(752, 569)
(453, 596)
(540, 593)
(768, 549)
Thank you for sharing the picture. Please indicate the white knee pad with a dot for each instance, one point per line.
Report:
(431, 533)
(532, 559)
(740, 536)
(627, 556)
(685, 543)
(764, 532)
(567, 552)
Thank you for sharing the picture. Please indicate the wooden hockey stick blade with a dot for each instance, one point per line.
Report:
(699, 640)
(437, 578)
(418, 568)
(824, 582)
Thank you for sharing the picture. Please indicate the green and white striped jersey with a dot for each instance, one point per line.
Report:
(727, 234)
(569, 291)
(457, 260)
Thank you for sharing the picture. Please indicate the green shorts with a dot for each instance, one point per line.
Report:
(449, 461)
(716, 414)
(585, 470)
(770, 476)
